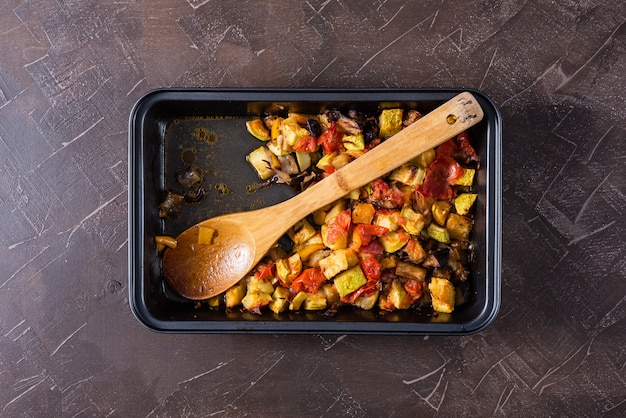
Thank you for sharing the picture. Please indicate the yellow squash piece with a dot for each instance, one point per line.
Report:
(363, 213)
(467, 179)
(459, 227)
(464, 202)
(257, 128)
(292, 132)
(440, 211)
(353, 142)
(442, 293)
(413, 222)
(235, 294)
(297, 301)
(315, 301)
(280, 300)
(390, 122)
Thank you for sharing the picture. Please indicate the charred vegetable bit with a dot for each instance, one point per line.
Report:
(171, 205)
(193, 191)
(400, 242)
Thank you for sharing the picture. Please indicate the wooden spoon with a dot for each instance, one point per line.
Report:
(240, 240)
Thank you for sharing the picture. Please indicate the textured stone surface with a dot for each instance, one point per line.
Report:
(70, 72)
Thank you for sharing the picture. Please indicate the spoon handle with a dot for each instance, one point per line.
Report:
(448, 120)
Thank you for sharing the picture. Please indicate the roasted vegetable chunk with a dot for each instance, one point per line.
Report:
(443, 294)
(401, 242)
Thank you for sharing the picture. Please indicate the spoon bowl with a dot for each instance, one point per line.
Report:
(199, 268)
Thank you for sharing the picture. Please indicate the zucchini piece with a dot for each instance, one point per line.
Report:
(464, 202)
(459, 227)
(338, 261)
(326, 161)
(394, 240)
(408, 174)
(263, 162)
(279, 147)
(214, 302)
(349, 281)
(388, 219)
(443, 294)
(341, 160)
(319, 216)
(304, 160)
(353, 195)
(315, 301)
(398, 296)
(438, 233)
(413, 222)
(425, 158)
(301, 232)
(257, 129)
(390, 122)
(338, 206)
(353, 142)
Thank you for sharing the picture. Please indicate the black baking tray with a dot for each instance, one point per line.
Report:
(170, 127)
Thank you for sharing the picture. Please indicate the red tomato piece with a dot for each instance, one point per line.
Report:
(459, 148)
(364, 233)
(365, 290)
(447, 148)
(374, 248)
(467, 151)
(330, 140)
(385, 195)
(305, 144)
(339, 226)
(266, 271)
(372, 269)
(441, 174)
(414, 288)
(310, 280)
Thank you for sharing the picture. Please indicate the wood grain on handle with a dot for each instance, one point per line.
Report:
(448, 120)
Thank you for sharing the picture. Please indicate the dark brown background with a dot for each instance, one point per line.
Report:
(70, 72)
